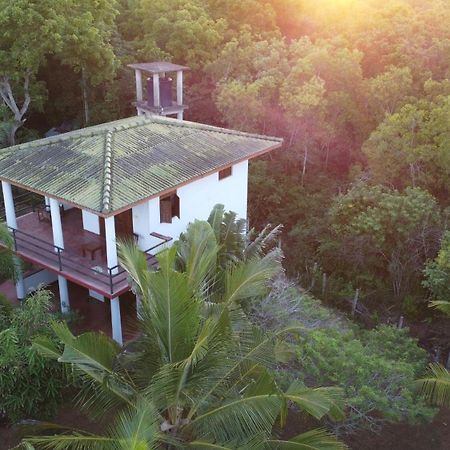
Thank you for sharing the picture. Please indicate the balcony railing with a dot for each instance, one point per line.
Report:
(107, 279)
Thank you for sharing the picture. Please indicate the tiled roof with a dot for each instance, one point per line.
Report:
(106, 168)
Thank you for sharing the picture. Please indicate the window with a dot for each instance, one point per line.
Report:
(169, 207)
(225, 173)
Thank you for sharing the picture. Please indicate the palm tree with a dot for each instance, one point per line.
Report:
(435, 386)
(198, 376)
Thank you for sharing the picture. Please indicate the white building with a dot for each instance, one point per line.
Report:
(144, 178)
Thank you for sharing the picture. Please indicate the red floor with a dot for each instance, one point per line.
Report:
(34, 243)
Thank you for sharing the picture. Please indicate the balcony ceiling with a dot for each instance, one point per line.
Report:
(108, 168)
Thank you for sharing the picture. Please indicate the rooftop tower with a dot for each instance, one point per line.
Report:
(159, 89)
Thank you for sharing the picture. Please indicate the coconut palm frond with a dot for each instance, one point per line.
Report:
(249, 279)
(5, 236)
(138, 428)
(311, 440)
(197, 254)
(442, 305)
(258, 244)
(238, 420)
(47, 347)
(317, 402)
(75, 441)
(240, 365)
(173, 310)
(209, 445)
(93, 356)
(229, 232)
(215, 219)
(435, 387)
(134, 261)
(135, 428)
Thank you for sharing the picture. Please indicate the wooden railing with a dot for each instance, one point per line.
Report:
(112, 279)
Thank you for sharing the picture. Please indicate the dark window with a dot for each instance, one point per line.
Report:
(169, 207)
(224, 173)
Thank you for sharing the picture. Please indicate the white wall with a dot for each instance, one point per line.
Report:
(90, 222)
(196, 202)
(39, 279)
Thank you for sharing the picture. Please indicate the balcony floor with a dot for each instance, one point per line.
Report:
(37, 246)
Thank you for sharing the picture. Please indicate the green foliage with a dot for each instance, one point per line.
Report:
(30, 385)
(411, 147)
(179, 29)
(379, 233)
(376, 369)
(437, 276)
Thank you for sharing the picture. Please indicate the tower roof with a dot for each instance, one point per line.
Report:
(158, 67)
(108, 168)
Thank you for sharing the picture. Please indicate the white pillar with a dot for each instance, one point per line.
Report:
(179, 87)
(58, 238)
(111, 258)
(180, 93)
(9, 205)
(116, 322)
(139, 93)
(20, 284)
(11, 221)
(156, 101)
(111, 246)
(63, 294)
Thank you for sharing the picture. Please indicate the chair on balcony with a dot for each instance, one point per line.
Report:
(44, 212)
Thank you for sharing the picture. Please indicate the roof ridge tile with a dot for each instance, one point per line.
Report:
(107, 172)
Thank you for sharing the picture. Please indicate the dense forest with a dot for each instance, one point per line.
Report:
(360, 92)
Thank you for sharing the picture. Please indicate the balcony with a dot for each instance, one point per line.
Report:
(83, 259)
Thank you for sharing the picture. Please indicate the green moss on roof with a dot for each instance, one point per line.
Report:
(108, 167)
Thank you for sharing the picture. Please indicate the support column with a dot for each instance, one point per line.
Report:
(58, 237)
(139, 93)
(11, 221)
(156, 101)
(111, 258)
(58, 240)
(111, 246)
(63, 294)
(180, 93)
(8, 199)
(116, 322)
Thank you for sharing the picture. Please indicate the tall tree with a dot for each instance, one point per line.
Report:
(87, 44)
(30, 31)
